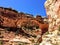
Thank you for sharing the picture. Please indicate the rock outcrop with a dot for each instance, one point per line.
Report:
(8, 18)
(11, 18)
(21, 25)
(53, 13)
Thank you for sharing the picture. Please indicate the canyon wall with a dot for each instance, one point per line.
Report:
(52, 37)
(22, 26)
(53, 13)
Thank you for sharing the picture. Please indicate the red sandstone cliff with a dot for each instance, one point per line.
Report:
(15, 23)
(11, 18)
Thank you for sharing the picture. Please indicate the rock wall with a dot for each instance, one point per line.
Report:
(53, 13)
(12, 18)
(52, 37)
(19, 25)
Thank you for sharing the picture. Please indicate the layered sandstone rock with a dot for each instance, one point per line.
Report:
(21, 24)
(53, 13)
(51, 39)
(11, 18)
(8, 18)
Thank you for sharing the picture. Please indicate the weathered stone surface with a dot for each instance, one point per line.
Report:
(8, 18)
(53, 13)
(51, 39)
(22, 25)
(11, 18)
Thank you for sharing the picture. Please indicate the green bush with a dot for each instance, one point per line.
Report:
(1, 43)
(46, 33)
(59, 28)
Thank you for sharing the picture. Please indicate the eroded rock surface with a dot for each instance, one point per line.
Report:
(16, 26)
(53, 13)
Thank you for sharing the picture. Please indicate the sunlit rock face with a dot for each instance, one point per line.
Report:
(53, 13)
(19, 26)
(51, 39)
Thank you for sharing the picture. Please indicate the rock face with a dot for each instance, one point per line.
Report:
(8, 18)
(11, 18)
(53, 13)
(21, 25)
(51, 39)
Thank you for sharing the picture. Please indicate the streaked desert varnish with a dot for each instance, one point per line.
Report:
(53, 13)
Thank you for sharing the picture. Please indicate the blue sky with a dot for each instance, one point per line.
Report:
(27, 6)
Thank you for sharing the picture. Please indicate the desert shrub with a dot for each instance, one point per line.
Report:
(31, 27)
(1, 42)
(17, 32)
(22, 43)
(59, 28)
(8, 29)
(46, 33)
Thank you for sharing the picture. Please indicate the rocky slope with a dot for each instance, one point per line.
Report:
(14, 25)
